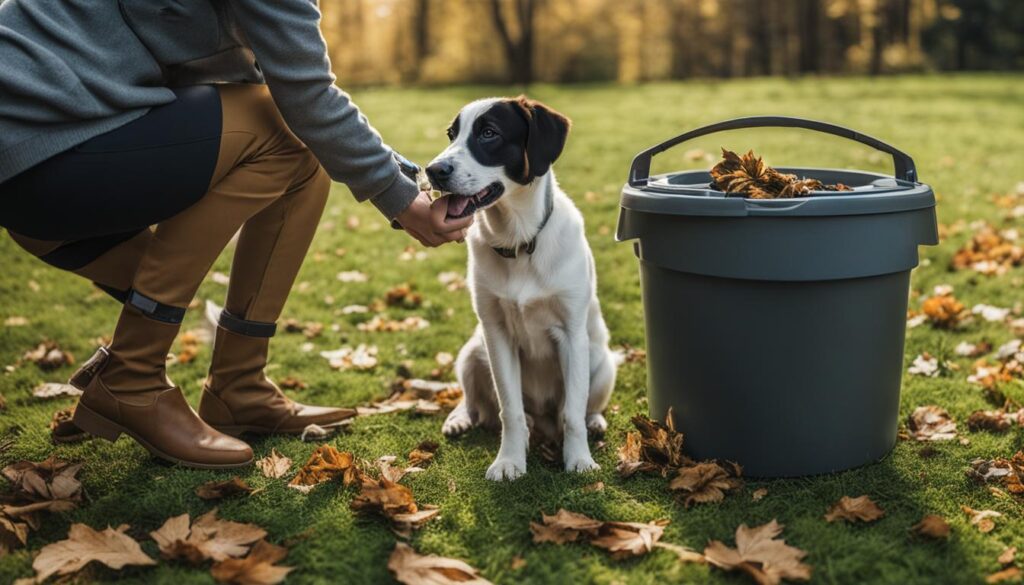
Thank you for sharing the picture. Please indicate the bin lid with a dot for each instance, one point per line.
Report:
(692, 193)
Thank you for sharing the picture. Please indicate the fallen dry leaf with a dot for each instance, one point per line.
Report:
(13, 534)
(422, 396)
(629, 539)
(292, 383)
(403, 296)
(47, 485)
(49, 356)
(988, 252)
(653, 447)
(1008, 574)
(208, 538)
(932, 526)
(381, 323)
(1007, 556)
(1008, 472)
(758, 554)
(758, 494)
(423, 454)
(310, 329)
(111, 547)
(258, 568)
(363, 357)
(944, 311)
(453, 281)
(982, 519)
(15, 321)
(997, 421)
(274, 465)
(215, 490)
(352, 276)
(704, 482)
(931, 423)
(325, 464)
(850, 509)
(412, 568)
(564, 526)
(54, 389)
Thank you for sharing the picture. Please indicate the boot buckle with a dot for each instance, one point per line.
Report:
(89, 369)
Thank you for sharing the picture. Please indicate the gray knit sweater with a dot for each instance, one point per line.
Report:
(73, 69)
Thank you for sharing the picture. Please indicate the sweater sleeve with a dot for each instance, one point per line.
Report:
(291, 52)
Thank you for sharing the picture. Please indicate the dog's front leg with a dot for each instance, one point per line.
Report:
(506, 369)
(574, 355)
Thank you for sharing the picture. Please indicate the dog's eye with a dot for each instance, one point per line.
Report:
(488, 133)
(451, 134)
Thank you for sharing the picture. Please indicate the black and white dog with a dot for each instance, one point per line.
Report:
(539, 360)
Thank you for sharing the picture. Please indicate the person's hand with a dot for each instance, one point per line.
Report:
(425, 221)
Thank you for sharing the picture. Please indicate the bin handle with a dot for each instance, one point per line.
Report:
(640, 170)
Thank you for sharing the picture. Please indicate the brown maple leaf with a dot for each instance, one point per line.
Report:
(111, 547)
(1007, 574)
(932, 526)
(325, 464)
(13, 534)
(629, 539)
(564, 526)
(931, 423)
(274, 465)
(760, 555)
(412, 568)
(258, 568)
(383, 496)
(704, 482)
(215, 490)
(850, 509)
(46, 485)
(423, 454)
(207, 538)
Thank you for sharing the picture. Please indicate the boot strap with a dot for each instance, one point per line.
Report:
(244, 327)
(155, 309)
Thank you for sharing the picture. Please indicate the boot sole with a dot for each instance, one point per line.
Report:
(100, 426)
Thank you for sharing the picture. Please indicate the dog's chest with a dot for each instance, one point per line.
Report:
(530, 313)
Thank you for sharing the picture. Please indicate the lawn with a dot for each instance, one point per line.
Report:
(967, 137)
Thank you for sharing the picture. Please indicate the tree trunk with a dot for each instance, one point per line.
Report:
(518, 51)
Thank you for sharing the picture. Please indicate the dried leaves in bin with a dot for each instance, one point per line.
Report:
(751, 176)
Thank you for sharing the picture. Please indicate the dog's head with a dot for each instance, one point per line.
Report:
(497, 145)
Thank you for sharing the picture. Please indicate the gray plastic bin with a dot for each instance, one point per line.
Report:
(775, 328)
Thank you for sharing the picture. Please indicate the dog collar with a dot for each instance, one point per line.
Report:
(530, 246)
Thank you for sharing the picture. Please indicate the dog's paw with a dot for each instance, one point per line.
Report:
(505, 468)
(457, 423)
(596, 424)
(581, 463)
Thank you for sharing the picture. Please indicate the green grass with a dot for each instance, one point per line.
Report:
(967, 136)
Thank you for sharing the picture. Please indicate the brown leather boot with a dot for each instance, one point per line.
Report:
(238, 398)
(127, 391)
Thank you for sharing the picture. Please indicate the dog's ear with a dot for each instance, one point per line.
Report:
(545, 138)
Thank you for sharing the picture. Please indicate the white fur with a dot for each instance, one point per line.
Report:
(539, 358)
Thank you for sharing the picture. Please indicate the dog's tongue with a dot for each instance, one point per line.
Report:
(457, 204)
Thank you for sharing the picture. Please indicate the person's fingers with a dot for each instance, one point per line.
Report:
(454, 236)
(438, 217)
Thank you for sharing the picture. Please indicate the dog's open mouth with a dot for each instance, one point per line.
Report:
(465, 205)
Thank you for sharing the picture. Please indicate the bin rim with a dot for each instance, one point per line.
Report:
(695, 197)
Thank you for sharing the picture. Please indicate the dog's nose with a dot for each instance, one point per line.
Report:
(439, 172)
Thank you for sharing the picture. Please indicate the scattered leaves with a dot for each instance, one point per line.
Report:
(932, 526)
(704, 482)
(381, 323)
(363, 357)
(931, 423)
(258, 568)
(412, 568)
(988, 252)
(325, 464)
(423, 454)
(944, 311)
(111, 547)
(49, 356)
(274, 465)
(982, 519)
(54, 389)
(208, 538)
(403, 296)
(758, 554)
(216, 490)
(856, 509)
